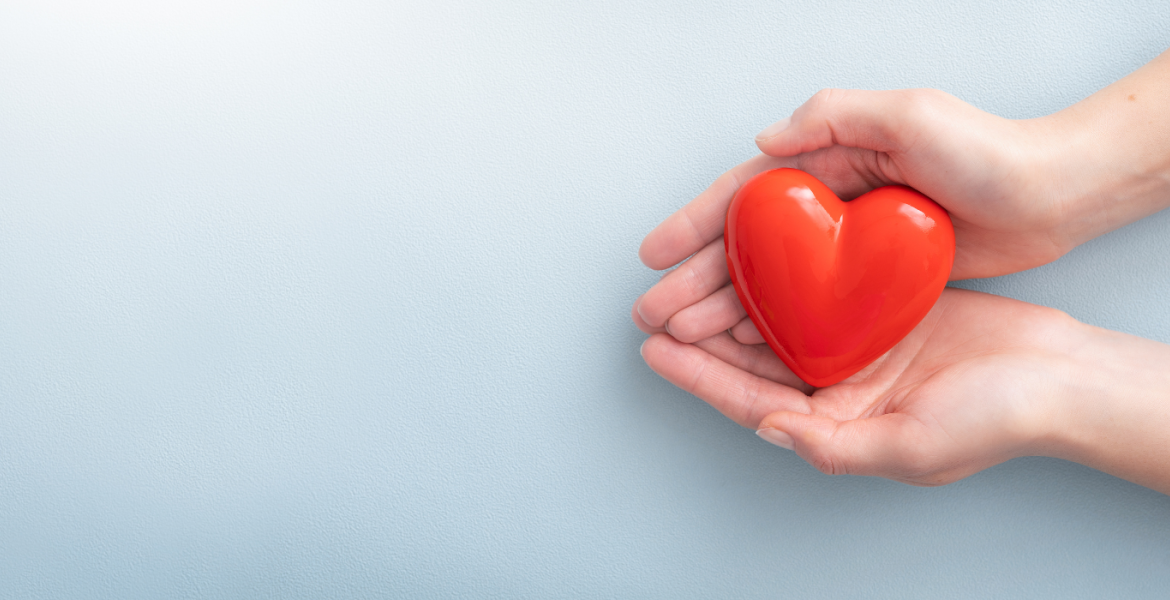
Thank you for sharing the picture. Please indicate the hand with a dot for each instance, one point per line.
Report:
(981, 380)
(988, 172)
(1020, 193)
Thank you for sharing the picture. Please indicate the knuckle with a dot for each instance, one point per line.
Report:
(828, 464)
(697, 378)
(693, 282)
(684, 329)
(823, 98)
(754, 411)
(923, 103)
(914, 114)
(912, 103)
(922, 96)
(728, 180)
(691, 226)
(1053, 326)
(1058, 316)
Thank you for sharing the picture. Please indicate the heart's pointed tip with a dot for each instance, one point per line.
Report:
(826, 381)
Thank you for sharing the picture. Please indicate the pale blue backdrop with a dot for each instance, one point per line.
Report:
(330, 300)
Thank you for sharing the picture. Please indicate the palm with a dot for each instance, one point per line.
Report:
(960, 383)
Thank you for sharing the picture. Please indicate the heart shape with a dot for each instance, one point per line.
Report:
(833, 285)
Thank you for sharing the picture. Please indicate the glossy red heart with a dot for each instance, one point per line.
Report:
(833, 285)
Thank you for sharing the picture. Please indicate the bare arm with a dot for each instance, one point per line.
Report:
(1115, 415)
(1112, 164)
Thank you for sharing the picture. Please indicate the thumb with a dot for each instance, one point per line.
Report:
(868, 446)
(873, 120)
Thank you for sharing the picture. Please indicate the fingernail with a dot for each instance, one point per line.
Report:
(666, 326)
(775, 436)
(642, 348)
(774, 129)
(639, 309)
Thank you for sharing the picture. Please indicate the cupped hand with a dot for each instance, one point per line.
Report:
(976, 383)
(995, 176)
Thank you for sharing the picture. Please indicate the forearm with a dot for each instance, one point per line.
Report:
(1111, 153)
(1115, 416)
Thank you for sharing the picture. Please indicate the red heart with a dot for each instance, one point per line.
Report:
(833, 285)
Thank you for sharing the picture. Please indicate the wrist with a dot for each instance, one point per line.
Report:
(1083, 191)
(1107, 157)
(1113, 409)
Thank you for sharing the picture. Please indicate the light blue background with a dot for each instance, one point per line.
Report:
(321, 299)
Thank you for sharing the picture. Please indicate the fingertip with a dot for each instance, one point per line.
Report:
(805, 429)
(655, 348)
(775, 140)
(650, 254)
(773, 130)
(780, 428)
(777, 437)
(647, 310)
(860, 446)
(780, 420)
(643, 253)
(652, 250)
(638, 309)
(745, 332)
(705, 318)
(640, 321)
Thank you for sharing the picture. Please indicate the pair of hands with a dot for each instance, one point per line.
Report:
(982, 379)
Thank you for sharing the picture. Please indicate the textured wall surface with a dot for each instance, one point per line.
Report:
(330, 299)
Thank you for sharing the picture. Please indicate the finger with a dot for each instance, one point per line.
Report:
(849, 172)
(705, 318)
(641, 323)
(890, 445)
(701, 221)
(745, 332)
(702, 274)
(884, 121)
(758, 360)
(741, 396)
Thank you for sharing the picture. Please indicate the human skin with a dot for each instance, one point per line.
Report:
(1020, 194)
(982, 379)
